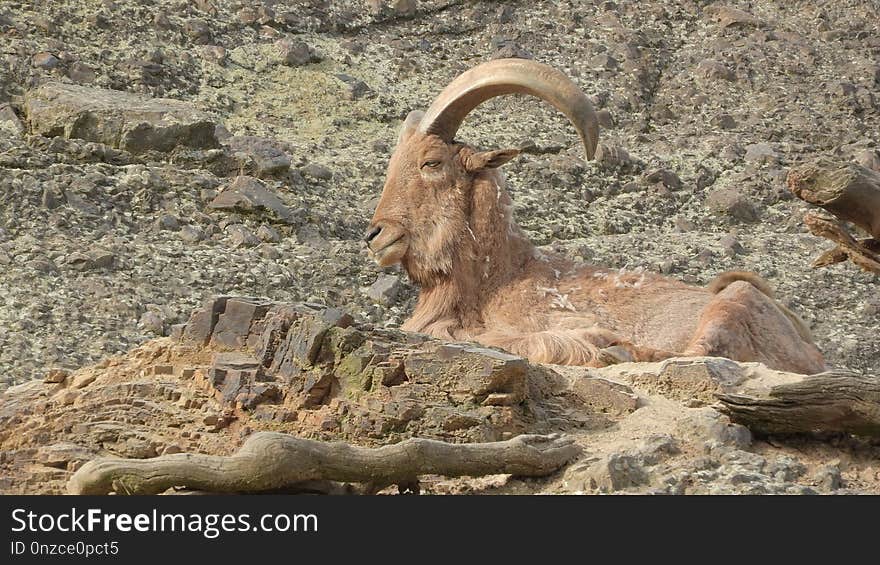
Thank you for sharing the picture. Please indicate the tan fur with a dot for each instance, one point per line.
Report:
(451, 228)
(724, 280)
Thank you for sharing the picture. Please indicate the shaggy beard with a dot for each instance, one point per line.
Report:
(432, 264)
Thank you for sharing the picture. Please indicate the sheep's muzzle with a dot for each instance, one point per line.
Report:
(387, 243)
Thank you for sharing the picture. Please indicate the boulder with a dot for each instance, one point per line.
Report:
(266, 157)
(731, 202)
(132, 122)
(9, 122)
(247, 194)
(385, 289)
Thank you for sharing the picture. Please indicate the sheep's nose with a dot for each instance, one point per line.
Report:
(371, 234)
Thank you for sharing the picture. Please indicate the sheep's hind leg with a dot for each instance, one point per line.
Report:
(743, 324)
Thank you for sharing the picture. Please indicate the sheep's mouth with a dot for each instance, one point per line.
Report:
(391, 252)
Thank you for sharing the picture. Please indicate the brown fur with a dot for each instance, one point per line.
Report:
(445, 216)
(724, 280)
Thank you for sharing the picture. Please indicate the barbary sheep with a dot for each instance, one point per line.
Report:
(445, 215)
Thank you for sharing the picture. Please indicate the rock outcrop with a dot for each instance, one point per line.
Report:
(131, 122)
(243, 364)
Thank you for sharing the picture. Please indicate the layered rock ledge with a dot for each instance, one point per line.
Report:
(245, 364)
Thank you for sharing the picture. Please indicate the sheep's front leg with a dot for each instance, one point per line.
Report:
(593, 347)
(628, 352)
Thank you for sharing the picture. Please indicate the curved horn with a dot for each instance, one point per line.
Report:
(509, 76)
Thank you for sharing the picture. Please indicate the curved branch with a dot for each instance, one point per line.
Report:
(271, 461)
(859, 252)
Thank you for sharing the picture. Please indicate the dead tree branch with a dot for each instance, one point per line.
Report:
(272, 461)
(834, 401)
(859, 252)
(851, 193)
(848, 190)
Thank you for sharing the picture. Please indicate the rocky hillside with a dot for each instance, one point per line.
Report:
(156, 154)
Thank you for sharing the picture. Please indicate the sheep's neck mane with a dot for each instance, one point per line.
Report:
(491, 252)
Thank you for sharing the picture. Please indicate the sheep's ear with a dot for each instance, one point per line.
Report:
(476, 162)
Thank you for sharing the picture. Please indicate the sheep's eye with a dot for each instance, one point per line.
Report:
(431, 164)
